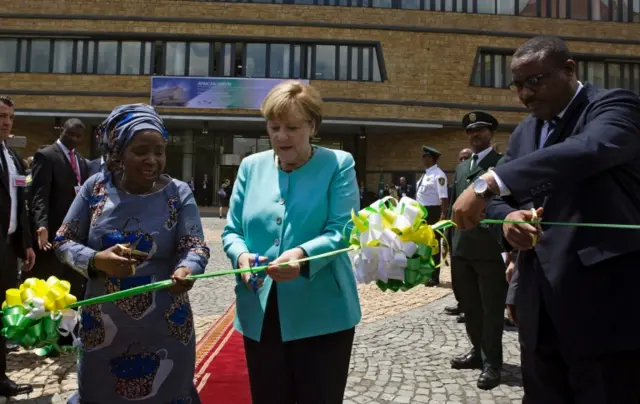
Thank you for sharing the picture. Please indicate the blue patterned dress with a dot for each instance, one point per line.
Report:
(139, 349)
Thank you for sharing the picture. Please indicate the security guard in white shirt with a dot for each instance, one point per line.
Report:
(431, 192)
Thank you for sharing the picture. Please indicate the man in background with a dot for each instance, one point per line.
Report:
(15, 233)
(58, 173)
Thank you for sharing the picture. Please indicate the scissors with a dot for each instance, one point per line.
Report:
(254, 275)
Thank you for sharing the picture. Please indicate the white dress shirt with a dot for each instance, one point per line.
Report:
(65, 150)
(544, 134)
(480, 155)
(432, 187)
(13, 190)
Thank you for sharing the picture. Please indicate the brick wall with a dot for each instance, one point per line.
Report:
(420, 66)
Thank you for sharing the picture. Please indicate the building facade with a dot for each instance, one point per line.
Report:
(395, 74)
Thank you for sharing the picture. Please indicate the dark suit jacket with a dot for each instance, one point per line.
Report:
(478, 243)
(52, 187)
(589, 171)
(22, 235)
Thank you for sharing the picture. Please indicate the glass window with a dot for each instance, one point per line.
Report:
(505, 7)
(40, 53)
(529, 8)
(263, 144)
(130, 57)
(498, 72)
(310, 49)
(9, 52)
(91, 50)
(199, 58)
(487, 7)
(256, 60)
(376, 66)
(80, 52)
(366, 63)
(410, 4)
(614, 73)
(297, 61)
(62, 56)
(24, 55)
(107, 57)
(148, 48)
(244, 146)
(226, 57)
(175, 59)
(325, 62)
(304, 1)
(636, 10)
(579, 9)
(344, 63)
(279, 61)
(635, 82)
(355, 52)
(595, 73)
(381, 3)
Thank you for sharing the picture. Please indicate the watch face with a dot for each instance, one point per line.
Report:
(480, 186)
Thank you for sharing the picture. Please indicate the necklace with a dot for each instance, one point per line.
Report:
(122, 180)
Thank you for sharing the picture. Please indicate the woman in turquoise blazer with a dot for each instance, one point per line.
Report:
(287, 203)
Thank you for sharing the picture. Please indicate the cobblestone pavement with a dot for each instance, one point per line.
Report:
(401, 353)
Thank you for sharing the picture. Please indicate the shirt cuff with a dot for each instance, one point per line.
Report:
(504, 191)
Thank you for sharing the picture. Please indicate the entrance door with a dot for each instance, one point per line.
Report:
(226, 172)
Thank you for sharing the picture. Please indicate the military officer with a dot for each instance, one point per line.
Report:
(431, 192)
(477, 266)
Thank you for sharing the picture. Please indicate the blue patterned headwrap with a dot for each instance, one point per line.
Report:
(115, 133)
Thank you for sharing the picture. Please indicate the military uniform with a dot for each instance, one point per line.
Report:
(478, 269)
(431, 188)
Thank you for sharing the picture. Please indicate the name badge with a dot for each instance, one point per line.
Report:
(76, 189)
(20, 181)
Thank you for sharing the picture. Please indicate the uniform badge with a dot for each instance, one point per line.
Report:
(441, 180)
(472, 117)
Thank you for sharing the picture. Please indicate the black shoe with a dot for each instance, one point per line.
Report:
(452, 310)
(489, 378)
(8, 388)
(460, 318)
(432, 282)
(467, 361)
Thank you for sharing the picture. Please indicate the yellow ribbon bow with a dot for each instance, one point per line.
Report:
(54, 292)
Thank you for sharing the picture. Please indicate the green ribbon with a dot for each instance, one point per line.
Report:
(112, 297)
(31, 333)
(418, 270)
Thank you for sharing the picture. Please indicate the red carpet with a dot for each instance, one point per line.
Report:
(221, 368)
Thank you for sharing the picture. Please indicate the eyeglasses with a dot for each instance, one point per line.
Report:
(531, 82)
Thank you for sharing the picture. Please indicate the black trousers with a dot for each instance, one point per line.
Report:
(553, 376)
(8, 280)
(433, 217)
(482, 290)
(305, 371)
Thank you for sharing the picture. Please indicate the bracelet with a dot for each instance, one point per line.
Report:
(91, 267)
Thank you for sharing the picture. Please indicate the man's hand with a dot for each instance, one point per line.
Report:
(43, 239)
(511, 314)
(510, 269)
(521, 236)
(468, 210)
(29, 260)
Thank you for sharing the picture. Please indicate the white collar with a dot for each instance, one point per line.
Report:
(63, 147)
(561, 114)
(432, 168)
(483, 154)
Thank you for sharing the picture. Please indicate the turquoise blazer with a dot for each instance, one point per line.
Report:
(270, 212)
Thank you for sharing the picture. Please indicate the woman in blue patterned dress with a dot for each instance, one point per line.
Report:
(142, 348)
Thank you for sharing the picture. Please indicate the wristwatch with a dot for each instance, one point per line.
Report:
(481, 188)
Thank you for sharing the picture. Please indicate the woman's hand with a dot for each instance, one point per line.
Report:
(247, 260)
(180, 284)
(284, 273)
(113, 262)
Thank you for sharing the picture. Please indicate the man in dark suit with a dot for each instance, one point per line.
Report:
(15, 233)
(58, 172)
(455, 310)
(477, 267)
(577, 300)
